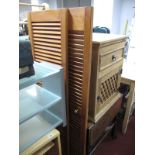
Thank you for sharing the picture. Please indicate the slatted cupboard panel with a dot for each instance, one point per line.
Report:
(48, 34)
(79, 63)
(108, 88)
(47, 41)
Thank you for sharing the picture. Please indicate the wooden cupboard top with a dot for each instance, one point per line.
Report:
(48, 15)
(101, 38)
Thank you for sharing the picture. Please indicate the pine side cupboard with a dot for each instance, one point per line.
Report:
(106, 69)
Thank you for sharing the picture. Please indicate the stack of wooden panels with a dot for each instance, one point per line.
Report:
(48, 33)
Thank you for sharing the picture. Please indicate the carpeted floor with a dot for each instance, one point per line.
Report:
(123, 145)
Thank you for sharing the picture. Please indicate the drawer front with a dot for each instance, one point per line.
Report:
(107, 89)
(97, 130)
(111, 47)
(110, 58)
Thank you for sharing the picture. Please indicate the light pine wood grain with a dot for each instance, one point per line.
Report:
(107, 63)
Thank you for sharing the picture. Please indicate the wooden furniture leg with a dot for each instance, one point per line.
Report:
(129, 105)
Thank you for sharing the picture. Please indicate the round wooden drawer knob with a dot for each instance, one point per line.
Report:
(99, 99)
(113, 58)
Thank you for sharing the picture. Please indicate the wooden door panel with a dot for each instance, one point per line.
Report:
(79, 51)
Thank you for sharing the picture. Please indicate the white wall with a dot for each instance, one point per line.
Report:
(59, 3)
(103, 13)
(116, 15)
(127, 13)
(85, 2)
(52, 3)
(114, 18)
(71, 3)
(23, 10)
(76, 3)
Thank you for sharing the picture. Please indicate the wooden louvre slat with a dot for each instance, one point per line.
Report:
(75, 74)
(76, 100)
(76, 62)
(48, 52)
(78, 45)
(75, 123)
(46, 24)
(49, 40)
(75, 79)
(73, 66)
(74, 49)
(47, 44)
(75, 36)
(76, 90)
(75, 70)
(75, 82)
(77, 57)
(45, 28)
(47, 36)
(46, 32)
(76, 86)
(48, 56)
(47, 48)
(78, 41)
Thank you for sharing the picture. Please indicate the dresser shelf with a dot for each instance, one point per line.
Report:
(41, 108)
(33, 100)
(36, 127)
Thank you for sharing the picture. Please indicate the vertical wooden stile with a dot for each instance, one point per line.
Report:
(79, 65)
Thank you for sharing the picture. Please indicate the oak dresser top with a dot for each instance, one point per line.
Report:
(100, 38)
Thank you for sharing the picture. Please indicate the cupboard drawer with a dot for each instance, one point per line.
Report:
(110, 58)
(111, 47)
